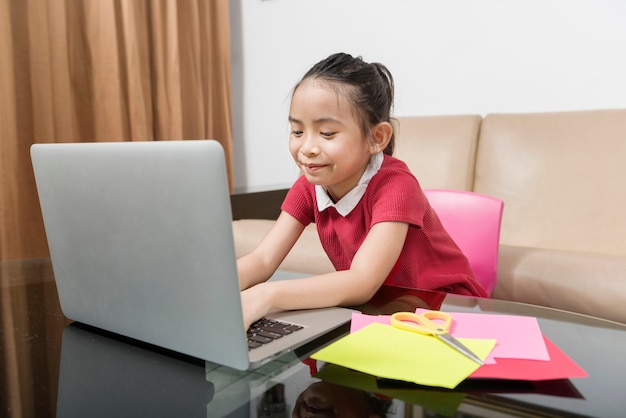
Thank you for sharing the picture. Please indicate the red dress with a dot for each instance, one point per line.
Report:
(429, 259)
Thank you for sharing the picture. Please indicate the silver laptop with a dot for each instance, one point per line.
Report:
(141, 242)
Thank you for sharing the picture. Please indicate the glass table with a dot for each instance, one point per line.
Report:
(52, 367)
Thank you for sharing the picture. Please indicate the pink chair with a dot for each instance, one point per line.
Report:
(473, 221)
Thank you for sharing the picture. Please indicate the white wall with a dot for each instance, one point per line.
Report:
(447, 57)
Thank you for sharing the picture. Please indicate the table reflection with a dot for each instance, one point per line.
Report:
(392, 299)
(104, 375)
(328, 399)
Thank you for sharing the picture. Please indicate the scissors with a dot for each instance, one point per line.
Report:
(424, 323)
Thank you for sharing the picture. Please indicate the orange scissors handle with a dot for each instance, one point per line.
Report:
(435, 323)
(424, 323)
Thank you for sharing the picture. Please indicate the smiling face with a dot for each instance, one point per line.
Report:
(326, 139)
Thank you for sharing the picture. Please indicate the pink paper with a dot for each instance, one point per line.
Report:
(518, 337)
(360, 320)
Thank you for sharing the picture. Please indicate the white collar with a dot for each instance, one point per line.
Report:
(345, 205)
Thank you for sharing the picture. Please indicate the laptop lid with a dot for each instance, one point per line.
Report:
(140, 238)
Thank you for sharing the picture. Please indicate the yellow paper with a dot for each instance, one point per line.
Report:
(384, 351)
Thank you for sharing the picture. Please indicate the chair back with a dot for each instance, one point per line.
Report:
(473, 221)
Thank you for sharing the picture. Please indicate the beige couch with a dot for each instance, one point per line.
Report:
(562, 177)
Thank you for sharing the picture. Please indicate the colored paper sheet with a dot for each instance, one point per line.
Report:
(387, 352)
(360, 320)
(519, 337)
(560, 366)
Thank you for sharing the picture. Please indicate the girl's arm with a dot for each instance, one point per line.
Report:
(262, 262)
(370, 267)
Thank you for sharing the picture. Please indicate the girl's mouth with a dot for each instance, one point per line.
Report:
(313, 167)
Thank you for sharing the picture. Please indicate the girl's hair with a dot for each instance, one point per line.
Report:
(380, 407)
(368, 87)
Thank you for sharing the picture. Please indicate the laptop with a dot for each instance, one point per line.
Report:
(141, 243)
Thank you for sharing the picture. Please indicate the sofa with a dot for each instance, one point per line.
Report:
(562, 177)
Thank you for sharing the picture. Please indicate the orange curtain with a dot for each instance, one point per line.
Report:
(103, 70)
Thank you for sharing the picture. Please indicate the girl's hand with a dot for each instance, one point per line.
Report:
(256, 304)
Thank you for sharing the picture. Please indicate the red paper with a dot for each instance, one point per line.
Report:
(560, 366)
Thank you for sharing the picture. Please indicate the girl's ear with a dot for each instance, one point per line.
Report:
(381, 135)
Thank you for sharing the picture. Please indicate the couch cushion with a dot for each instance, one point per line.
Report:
(591, 284)
(307, 256)
(439, 150)
(561, 176)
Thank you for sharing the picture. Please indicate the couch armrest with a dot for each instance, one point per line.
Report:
(586, 283)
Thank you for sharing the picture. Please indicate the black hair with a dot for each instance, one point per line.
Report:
(380, 407)
(368, 87)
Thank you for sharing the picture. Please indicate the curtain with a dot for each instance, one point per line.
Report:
(103, 70)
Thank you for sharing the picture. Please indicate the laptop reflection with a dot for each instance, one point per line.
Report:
(102, 376)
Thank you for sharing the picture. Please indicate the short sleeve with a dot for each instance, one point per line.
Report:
(300, 201)
(396, 196)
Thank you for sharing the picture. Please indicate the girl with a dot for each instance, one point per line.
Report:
(372, 217)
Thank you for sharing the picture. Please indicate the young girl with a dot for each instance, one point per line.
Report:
(372, 217)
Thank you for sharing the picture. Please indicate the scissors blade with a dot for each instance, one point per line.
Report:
(457, 345)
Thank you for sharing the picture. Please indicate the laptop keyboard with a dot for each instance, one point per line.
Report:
(266, 330)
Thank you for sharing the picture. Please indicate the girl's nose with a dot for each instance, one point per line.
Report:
(309, 146)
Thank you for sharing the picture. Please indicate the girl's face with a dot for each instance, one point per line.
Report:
(326, 139)
(327, 400)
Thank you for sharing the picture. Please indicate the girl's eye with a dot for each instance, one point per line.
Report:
(296, 133)
(327, 134)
